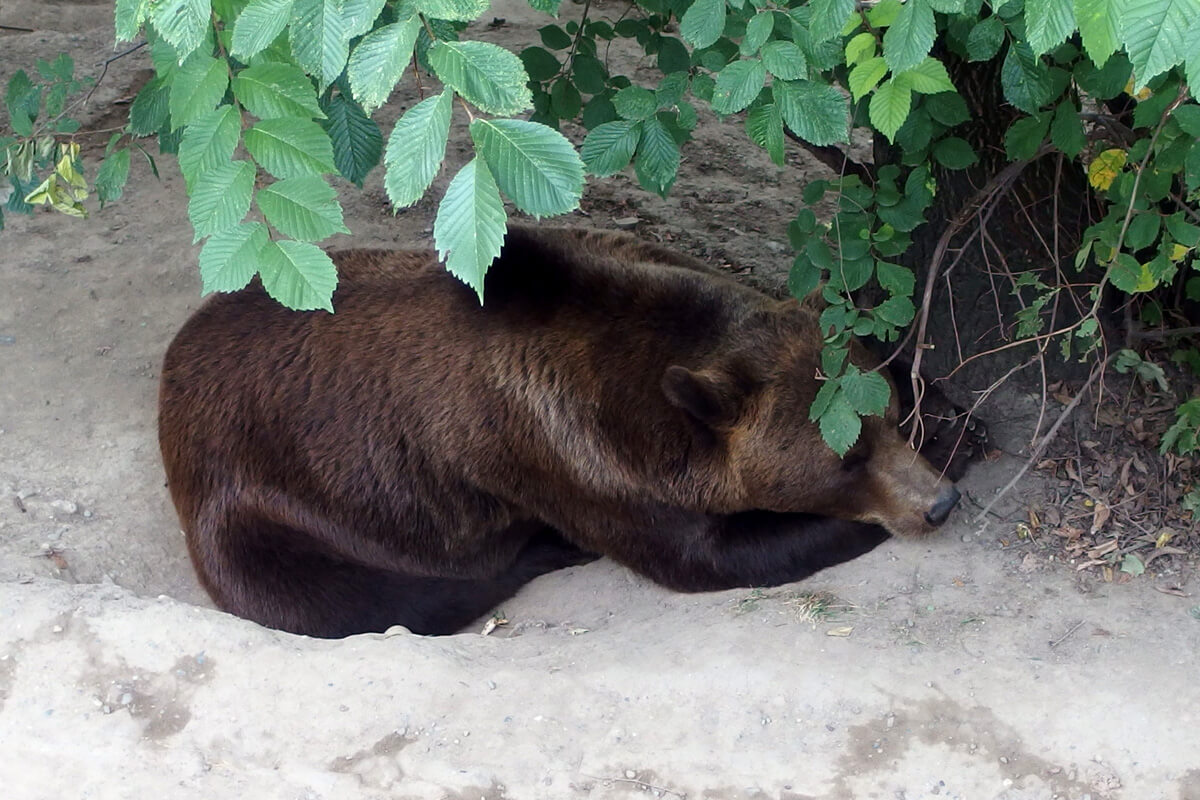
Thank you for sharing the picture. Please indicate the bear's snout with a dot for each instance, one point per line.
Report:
(947, 499)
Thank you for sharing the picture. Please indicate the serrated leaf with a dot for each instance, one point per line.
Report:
(112, 175)
(840, 426)
(896, 279)
(908, 41)
(210, 140)
(229, 259)
(609, 148)
(954, 152)
(380, 59)
(634, 103)
(828, 17)
(1025, 136)
(288, 147)
(484, 74)
(889, 108)
(272, 89)
(540, 63)
(416, 148)
(1097, 21)
(867, 392)
(703, 22)
(1105, 167)
(1125, 273)
(657, 159)
(866, 76)
(320, 38)
(1025, 79)
(470, 225)
(535, 166)
(758, 30)
(554, 37)
(1155, 34)
(825, 394)
(861, 47)
(816, 112)
(298, 274)
(259, 24)
(784, 60)
(220, 198)
(357, 140)
(737, 86)
(1066, 132)
(546, 6)
(764, 126)
(182, 23)
(303, 208)
(196, 89)
(984, 40)
(454, 10)
(130, 15)
(1048, 23)
(360, 15)
(898, 310)
(928, 77)
(149, 110)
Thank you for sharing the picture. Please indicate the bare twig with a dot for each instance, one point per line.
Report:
(16, 29)
(639, 784)
(1071, 630)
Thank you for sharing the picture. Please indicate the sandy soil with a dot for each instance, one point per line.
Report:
(960, 668)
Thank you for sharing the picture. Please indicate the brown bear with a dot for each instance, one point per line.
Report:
(414, 458)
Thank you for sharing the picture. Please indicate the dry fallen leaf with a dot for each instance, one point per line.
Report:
(845, 631)
(492, 624)
(1100, 517)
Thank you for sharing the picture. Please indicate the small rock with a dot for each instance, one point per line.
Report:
(630, 774)
(66, 506)
(626, 223)
(5, 339)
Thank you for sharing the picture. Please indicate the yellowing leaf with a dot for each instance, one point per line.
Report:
(1178, 251)
(65, 189)
(1140, 95)
(1146, 281)
(1105, 168)
(1164, 537)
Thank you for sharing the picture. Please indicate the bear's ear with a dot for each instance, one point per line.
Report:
(711, 398)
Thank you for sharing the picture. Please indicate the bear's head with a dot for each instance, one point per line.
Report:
(750, 406)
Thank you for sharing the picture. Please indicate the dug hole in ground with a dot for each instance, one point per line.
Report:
(953, 668)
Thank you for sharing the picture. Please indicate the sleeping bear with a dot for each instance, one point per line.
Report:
(415, 458)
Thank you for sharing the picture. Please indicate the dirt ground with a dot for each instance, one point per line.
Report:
(965, 667)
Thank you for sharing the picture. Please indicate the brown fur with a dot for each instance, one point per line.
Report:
(414, 458)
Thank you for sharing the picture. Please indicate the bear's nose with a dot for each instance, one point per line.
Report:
(946, 501)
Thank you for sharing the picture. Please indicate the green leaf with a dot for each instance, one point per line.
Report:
(380, 59)
(130, 16)
(303, 208)
(1025, 136)
(540, 63)
(229, 259)
(182, 23)
(909, 39)
(357, 140)
(784, 60)
(889, 108)
(703, 22)
(271, 89)
(298, 274)
(954, 153)
(816, 112)
(1132, 564)
(1097, 20)
(221, 197)
(866, 76)
(1125, 273)
(861, 47)
(320, 38)
(1025, 79)
(554, 37)
(1048, 23)
(828, 17)
(928, 77)
(546, 6)
(898, 310)
(634, 102)
(1188, 117)
(259, 24)
(112, 175)
(197, 88)
(454, 10)
(828, 391)
(288, 147)
(565, 101)
(840, 426)
(764, 125)
(1066, 132)
(867, 392)
(534, 165)
(984, 40)
(416, 148)
(1155, 34)
(209, 142)
(897, 280)
(803, 277)
(609, 148)
(484, 74)
(657, 160)
(470, 225)
(673, 56)
(589, 74)
(737, 86)
(149, 110)
(758, 30)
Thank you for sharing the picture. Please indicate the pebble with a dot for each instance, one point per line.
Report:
(625, 223)
(630, 774)
(67, 506)
(8, 340)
